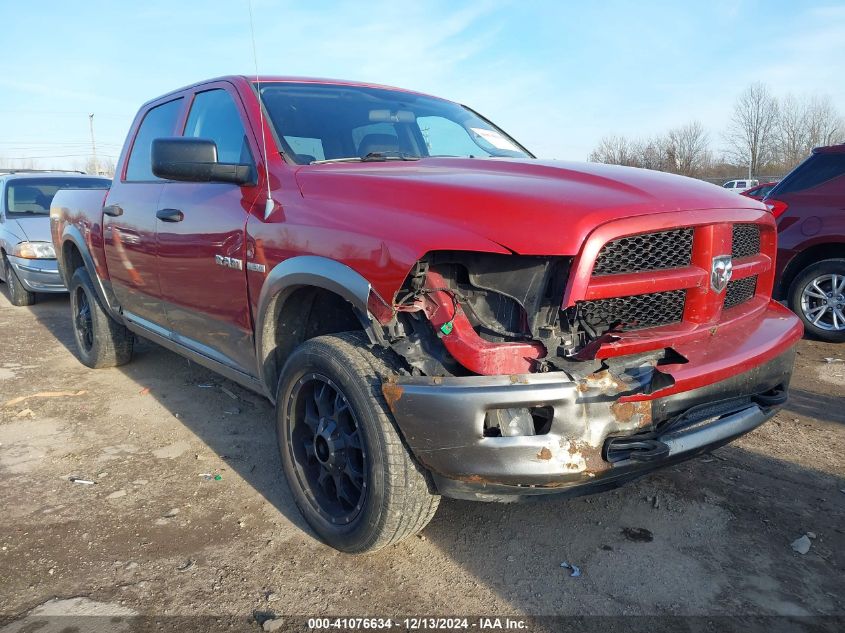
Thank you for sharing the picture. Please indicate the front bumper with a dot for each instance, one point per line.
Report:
(443, 422)
(38, 275)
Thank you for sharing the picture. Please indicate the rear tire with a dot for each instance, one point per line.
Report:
(100, 340)
(350, 474)
(817, 296)
(18, 295)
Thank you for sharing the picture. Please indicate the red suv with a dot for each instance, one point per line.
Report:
(809, 205)
(760, 191)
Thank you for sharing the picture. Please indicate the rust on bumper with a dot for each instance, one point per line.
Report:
(443, 419)
(443, 422)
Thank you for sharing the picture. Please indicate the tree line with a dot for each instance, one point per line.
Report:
(765, 138)
(103, 166)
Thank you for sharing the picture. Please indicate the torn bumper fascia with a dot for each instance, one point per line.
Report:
(442, 420)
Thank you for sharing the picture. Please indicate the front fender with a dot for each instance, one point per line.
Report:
(298, 272)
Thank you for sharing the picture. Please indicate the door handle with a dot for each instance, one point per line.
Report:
(170, 215)
(113, 210)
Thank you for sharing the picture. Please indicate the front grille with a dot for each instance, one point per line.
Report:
(746, 240)
(634, 312)
(739, 291)
(649, 251)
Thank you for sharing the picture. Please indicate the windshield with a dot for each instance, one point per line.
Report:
(32, 196)
(325, 122)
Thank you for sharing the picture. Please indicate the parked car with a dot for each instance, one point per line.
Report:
(27, 259)
(760, 191)
(738, 186)
(809, 205)
(432, 310)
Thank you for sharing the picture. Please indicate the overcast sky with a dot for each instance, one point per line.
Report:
(557, 75)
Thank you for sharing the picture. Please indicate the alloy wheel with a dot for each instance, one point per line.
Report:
(823, 302)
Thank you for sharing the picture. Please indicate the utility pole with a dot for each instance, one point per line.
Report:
(93, 144)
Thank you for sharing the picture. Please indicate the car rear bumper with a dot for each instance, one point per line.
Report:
(597, 437)
(38, 275)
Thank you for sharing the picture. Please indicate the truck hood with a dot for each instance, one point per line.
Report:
(528, 206)
(34, 229)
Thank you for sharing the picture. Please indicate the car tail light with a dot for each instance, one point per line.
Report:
(777, 207)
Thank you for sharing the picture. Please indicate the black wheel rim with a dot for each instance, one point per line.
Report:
(82, 319)
(327, 449)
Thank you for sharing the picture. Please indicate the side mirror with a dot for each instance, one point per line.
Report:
(195, 160)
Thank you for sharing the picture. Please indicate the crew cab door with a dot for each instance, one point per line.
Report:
(129, 222)
(201, 240)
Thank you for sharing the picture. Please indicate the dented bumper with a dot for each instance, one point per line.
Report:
(443, 422)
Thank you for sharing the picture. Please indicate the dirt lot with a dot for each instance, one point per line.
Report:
(154, 536)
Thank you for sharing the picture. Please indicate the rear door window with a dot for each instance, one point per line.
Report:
(818, 171)
(159, 122)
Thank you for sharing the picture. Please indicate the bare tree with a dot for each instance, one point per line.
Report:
(792, 131)
(652, 153)
(767, 136)
(615, 150)
(824, 125)
(103, 166)
(752, 130)
(687, 148)
(16, 163)
(804, 124)
(684, 150)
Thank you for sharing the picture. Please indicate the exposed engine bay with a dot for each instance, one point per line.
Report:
(461, 313)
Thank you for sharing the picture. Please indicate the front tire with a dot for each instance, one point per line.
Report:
(817, 296)
(350, 474)
(100, 340)
(18, 295)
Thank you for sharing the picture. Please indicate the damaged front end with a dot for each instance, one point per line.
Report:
(500, 438)
(510, 393)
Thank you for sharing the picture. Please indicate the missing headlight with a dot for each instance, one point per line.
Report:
(517, 422)
(506, 297)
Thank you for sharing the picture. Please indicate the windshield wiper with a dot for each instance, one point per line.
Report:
(372, 157)
(376, 156)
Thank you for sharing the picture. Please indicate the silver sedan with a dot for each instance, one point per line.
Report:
(29, 263)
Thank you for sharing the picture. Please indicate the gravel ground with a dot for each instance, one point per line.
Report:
(156, 535)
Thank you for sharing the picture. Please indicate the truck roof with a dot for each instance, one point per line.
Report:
(236, 79)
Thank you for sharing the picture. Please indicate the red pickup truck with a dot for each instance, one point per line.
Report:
(432, 310)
